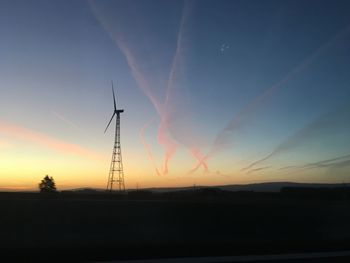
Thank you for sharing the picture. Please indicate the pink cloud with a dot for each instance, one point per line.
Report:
(46, 141)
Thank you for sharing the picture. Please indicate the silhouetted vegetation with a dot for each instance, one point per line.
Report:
(47, 185)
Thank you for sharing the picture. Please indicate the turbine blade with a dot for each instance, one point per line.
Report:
(115, 105)
(109, 122)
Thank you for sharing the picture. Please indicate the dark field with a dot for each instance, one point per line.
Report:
(104, 227)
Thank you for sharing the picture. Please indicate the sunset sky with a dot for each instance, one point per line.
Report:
(214, 92)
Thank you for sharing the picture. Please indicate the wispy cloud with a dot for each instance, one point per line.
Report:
(40, 139)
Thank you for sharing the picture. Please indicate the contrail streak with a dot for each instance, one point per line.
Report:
(131, 60)
(163, 139)
(221, 138)
(169, 146)
(148, 147)
(288, 167)
(200, 158)
(341, 164)
(328, 162)
(333, 162)
(260, 161)
(163, 130)
(258, 169)
(65, 120)
(196, 153)
(178, 53)
(138, 76)
(329, 120)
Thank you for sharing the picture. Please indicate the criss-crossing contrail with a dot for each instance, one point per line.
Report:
(163, 109)
(221, 139)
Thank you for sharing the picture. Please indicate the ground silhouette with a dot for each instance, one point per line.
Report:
(95, 226)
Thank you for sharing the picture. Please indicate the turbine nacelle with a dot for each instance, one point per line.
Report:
(118, 111)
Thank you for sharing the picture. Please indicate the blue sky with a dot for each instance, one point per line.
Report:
(58, 58)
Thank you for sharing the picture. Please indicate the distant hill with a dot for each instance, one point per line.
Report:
(274, 186)
(8, 189)
(257, 187)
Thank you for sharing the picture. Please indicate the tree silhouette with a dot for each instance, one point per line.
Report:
(47, 185)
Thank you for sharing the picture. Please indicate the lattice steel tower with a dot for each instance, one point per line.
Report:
(116, 173)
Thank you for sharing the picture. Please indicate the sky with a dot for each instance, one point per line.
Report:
(213, 92)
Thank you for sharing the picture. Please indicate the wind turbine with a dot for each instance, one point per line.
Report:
(116, 173)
